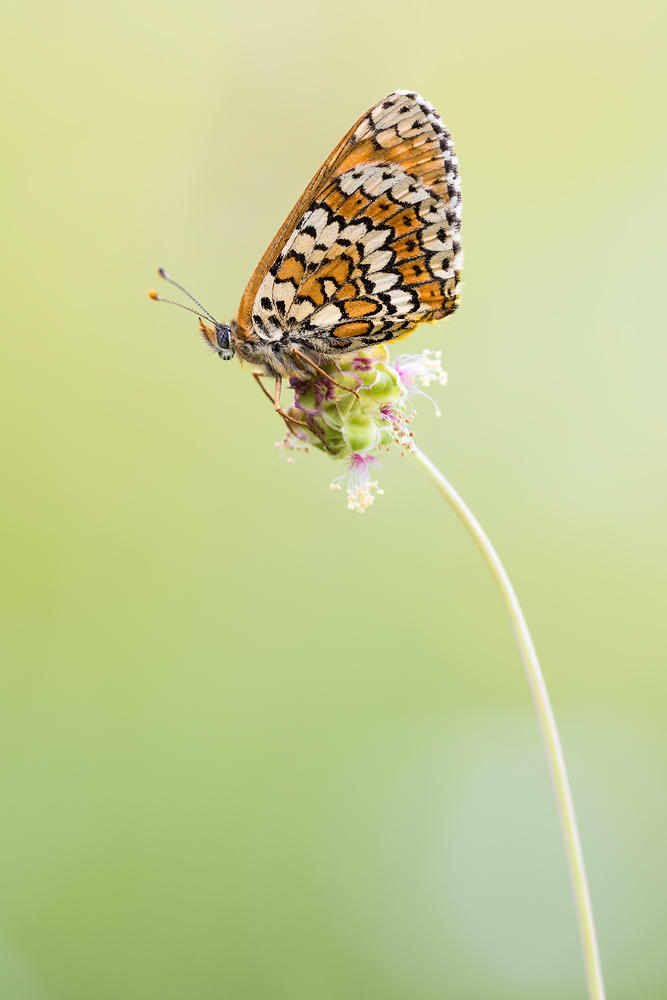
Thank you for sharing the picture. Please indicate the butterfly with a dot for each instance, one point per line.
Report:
(370, 250)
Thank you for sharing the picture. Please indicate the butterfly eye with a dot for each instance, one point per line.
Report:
(222, 333)
(223, 340)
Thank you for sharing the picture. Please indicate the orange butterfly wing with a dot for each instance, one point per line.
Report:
(371, 248)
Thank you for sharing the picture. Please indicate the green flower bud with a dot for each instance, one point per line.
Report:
(361, 431)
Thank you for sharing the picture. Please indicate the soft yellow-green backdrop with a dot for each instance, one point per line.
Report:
(255, 746)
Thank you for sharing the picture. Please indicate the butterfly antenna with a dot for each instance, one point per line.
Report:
(172, 302)
(163, 274)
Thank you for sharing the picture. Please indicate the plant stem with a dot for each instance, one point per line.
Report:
(547, 721)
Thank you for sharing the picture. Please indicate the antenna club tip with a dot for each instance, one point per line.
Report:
(163, 274)
(153, 294)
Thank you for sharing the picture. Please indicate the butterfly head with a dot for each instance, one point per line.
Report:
(218, 338)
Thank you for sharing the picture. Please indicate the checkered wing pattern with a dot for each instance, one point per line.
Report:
(372, 247)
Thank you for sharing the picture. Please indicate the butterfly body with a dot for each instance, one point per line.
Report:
(279, 357)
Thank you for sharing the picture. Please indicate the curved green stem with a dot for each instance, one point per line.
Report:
(545, 715)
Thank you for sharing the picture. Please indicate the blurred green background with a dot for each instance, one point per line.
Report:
(252, 744)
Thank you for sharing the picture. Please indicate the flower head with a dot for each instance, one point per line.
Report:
(364, 407)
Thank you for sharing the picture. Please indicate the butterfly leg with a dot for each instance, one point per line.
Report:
(298, 354)
(257, 376)
(275, 399)
(313, 430)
